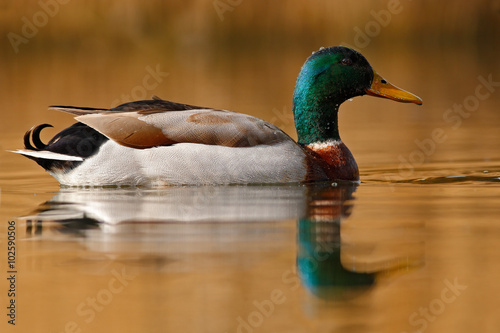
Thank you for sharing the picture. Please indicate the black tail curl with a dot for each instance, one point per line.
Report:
(33, 135)
(77, 140)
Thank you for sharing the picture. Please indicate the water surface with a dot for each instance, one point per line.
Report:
(413, 247)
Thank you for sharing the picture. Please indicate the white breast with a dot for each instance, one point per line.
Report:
(189, 164)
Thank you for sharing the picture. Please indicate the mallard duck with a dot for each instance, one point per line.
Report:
(157, 142)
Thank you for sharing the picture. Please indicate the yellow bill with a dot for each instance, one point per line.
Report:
(381, 88)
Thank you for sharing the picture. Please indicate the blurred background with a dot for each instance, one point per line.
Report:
(403, 240)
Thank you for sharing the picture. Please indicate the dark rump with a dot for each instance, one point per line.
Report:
(76, 140)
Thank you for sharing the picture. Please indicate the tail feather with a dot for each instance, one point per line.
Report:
(79, 111)
(34, 135)
(65, 151)
(47, 155)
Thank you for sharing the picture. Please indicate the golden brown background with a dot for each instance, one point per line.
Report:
(444, 211)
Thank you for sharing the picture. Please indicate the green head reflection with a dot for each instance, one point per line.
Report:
(319, 262)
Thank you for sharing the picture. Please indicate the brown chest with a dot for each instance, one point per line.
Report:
(331, 161)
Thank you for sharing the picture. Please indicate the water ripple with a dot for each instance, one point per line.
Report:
(463, 173)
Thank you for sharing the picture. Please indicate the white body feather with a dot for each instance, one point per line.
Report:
(188, 164)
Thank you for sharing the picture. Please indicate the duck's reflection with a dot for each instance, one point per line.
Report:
(173, 220)
(232, 220)
(319, 244)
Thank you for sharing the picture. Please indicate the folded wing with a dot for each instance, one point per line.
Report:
(146, 124)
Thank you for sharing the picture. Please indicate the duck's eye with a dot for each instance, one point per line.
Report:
(383, 81)
(346, 62)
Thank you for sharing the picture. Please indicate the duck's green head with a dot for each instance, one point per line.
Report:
(329, 77)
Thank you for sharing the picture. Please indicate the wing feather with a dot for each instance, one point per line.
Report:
(154, 105)
(126, 129)
(210, 127)
(157, 122)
